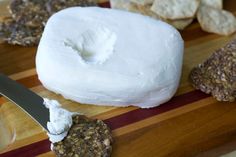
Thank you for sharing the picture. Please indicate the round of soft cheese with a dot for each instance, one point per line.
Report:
(110, 57)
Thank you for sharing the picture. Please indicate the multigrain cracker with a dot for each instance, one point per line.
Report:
(31, 12)
(217, 75)
(175, 9)
(213, 3)
(86, 138)
(40, 10)
(56, 5)
(216, 21)
(143, 2)
(18, 33)
(29, 18)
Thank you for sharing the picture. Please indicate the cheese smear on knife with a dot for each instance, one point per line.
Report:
(110, 57)
(60, 120)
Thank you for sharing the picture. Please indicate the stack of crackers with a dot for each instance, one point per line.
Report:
(181, 13)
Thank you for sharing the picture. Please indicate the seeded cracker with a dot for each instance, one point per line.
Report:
(217, 75)
(17, 33)
(31, 12)
(213, 3)
(216, 21)
(56, 5)
(86, 138)
(175, 9)
(29, 18)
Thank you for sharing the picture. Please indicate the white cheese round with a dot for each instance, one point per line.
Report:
(110, 57)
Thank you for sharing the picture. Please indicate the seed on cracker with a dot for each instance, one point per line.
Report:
(175, 9)
(142, 2)
(216, 21)
(213, 3)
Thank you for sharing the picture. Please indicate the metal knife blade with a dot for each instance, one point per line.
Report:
(27, 100)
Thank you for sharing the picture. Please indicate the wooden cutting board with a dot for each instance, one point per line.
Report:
(191, 124)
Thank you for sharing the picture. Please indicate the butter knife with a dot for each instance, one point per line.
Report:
(27, 100)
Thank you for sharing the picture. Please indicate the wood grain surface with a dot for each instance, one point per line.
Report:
(190, 124)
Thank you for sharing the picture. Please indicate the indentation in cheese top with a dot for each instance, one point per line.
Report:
(94, 45)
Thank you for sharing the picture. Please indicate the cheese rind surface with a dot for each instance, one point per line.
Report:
(110, 57)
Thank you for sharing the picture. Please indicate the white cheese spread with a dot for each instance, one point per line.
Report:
(60, 121)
